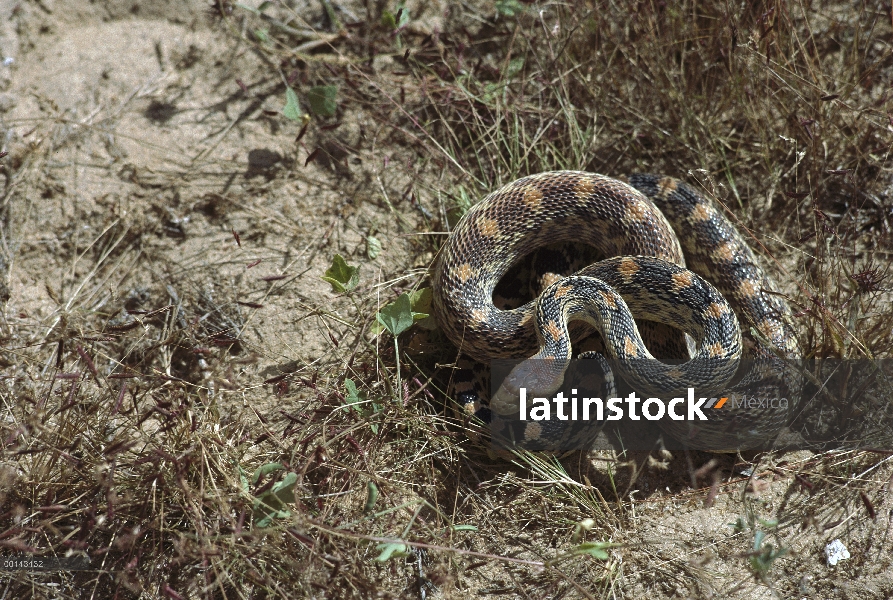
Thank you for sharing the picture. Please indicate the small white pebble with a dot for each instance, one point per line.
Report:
(8, 61)
(836, 552)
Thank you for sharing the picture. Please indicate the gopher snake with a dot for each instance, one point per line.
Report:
(654, 225)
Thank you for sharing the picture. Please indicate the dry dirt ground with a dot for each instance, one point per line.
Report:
(160, 216)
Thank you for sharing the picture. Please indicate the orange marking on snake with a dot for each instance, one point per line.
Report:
(681, 280)
(609, 299)
(563, 290)
(769, 329)
(532, 196)
(636, 211)
(627, 269)
(554, 330)
(532, 431)
(488, 227)
(548, 279)
(701, 212)
(667, 186)
(464, 273)
(584, 188)
(747, 288)
(715, 350)
(716, 311)
(727, 251)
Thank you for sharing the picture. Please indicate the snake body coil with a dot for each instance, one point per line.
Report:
(654, 225)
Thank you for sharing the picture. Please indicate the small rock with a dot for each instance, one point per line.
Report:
(836, 552)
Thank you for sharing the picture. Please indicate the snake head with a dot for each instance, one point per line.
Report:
(541, 377)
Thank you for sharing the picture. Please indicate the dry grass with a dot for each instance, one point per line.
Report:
(136, 436)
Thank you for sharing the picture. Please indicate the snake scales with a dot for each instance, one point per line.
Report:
(646, 230)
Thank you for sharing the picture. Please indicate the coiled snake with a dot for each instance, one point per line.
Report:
(646, 230)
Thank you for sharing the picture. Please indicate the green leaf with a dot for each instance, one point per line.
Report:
(265, 518)
(391, 550)
(739, 525)
(357, 397)
(264, 470)
(285, 489)
(509, 8)
(264, 6)
(373, 246)
(342, 276)
(764, 555)
(421, 303)
(243, 479)
(595, 549)
(354, 396)
(758, 539)
(376, 408)
(464, 528)
(421, 309)
(371, 497)
(514, 67)
(292, 108)
(393, 316)
(262, 35)
(491, 92)
(397, 316)
(272, 504)
(322, 100)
